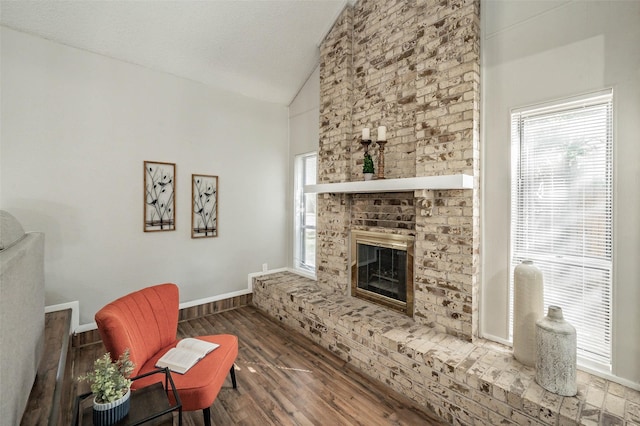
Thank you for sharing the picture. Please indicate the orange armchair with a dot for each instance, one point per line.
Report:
(146, 322)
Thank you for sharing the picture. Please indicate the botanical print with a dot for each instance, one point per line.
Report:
(204, 211)
(159, 197)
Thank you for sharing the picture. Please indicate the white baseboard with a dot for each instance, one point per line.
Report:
(86, 327)
(197, 302)
(93, 326)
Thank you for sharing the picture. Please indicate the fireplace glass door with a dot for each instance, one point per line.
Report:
(382, 269)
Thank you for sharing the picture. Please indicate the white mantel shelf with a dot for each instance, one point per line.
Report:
(394, 185)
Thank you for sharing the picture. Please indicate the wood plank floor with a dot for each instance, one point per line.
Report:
(283, 379)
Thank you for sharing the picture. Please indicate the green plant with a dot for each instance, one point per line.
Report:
(367, 167)
(110, 380)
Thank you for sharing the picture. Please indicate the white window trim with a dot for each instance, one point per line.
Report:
(298, 264)
(593, 98)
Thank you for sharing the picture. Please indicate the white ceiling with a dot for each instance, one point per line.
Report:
(261, 48)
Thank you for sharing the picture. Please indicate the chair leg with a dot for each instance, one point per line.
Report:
(233, 376)
(207, 416)
(207, 411)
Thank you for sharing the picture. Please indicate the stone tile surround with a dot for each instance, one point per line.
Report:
(466, 383)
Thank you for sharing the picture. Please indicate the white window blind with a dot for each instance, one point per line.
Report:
(561, 212)
(305, 213)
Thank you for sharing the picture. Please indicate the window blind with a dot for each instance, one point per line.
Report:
(561, 212)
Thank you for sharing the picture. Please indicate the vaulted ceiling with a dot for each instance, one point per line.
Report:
(261, 49)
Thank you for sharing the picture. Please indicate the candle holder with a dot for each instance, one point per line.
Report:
(381, 144)
(365, 144)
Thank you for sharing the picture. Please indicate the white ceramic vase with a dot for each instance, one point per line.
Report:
(556, 353)
(528, 307)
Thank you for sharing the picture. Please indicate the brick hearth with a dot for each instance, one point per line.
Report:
(477, 383)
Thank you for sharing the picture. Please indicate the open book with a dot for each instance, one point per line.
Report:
(185, 355)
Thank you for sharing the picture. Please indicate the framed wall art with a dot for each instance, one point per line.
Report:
(159, 196)
(204, 206)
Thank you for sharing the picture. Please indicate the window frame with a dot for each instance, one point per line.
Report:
(301, 212)
(559, 107)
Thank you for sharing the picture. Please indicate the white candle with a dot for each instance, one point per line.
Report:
(365, 134)
(382, 133)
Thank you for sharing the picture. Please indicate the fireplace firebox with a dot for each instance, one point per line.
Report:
(382, 269)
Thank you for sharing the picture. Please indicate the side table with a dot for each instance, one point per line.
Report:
(148, 405)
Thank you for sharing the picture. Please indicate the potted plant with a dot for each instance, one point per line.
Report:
(367, 167)
(110, 384)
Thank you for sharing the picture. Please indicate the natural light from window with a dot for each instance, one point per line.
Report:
(304, 256)
(561, 212)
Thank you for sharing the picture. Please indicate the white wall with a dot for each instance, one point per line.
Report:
(537, 51)
(76, 128)
(304, 133)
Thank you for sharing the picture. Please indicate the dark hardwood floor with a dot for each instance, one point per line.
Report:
(283, 379)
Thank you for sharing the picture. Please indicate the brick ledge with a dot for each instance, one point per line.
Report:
(463, 382)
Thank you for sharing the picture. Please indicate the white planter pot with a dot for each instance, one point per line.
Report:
(368, 176)
(111, 412)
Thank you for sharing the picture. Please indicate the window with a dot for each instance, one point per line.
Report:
(561, 212)
(304, 256)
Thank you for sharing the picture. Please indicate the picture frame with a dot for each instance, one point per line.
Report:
(159, 196)
(204, 206)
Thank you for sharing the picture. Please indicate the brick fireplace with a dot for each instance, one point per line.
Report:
(412, 66)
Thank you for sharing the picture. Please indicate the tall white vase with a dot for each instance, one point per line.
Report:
(556, 354)
(528, 307)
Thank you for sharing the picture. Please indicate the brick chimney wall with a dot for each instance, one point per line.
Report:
(412, 66)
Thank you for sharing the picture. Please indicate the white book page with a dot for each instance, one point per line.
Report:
(197, 345)
(178, 360)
